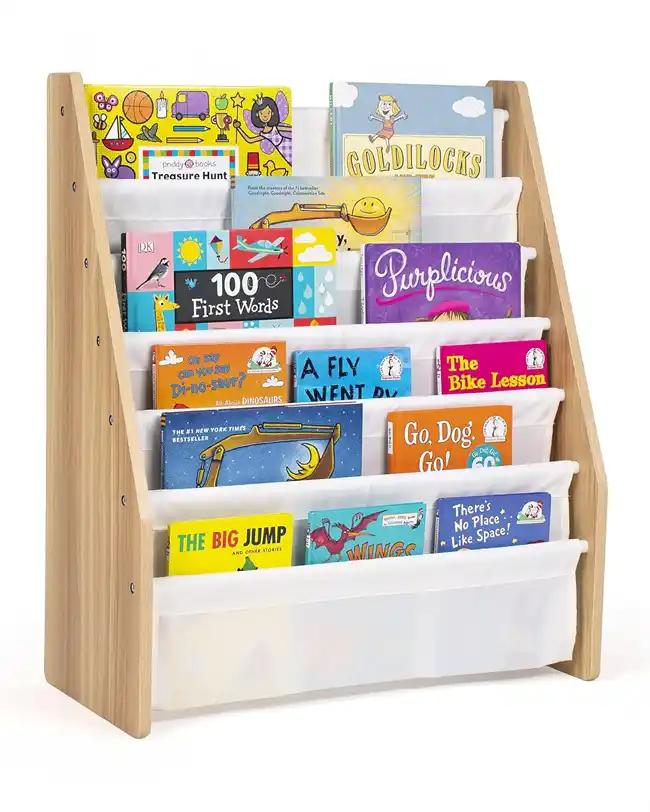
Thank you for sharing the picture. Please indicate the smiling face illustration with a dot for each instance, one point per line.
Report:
(369, 207)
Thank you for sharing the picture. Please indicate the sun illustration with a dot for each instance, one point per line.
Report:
(190, 251)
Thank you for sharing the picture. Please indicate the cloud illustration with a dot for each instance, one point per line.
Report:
(272, 381)
(315, 253)
(306, 237)
(169, 359)
(343, 94)
(470, 107)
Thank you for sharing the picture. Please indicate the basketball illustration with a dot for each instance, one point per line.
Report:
(137, 106)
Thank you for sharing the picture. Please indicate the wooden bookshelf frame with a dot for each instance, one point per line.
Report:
(99, 552)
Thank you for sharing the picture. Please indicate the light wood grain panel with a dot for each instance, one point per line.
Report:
(575, 432)
(98, 632)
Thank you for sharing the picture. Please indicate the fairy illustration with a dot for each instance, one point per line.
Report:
(265, 120)
(387, 113)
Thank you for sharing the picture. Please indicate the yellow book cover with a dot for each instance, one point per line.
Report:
(190, 133)
(230, 545)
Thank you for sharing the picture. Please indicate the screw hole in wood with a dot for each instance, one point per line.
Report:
(123, 500)
(62, 110)
(86, 262)
(110, 420)
(74, 185)
(99, 341)
(132, 588)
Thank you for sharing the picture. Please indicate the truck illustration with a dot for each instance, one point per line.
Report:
(191, 104)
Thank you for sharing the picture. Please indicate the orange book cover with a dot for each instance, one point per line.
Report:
(459, 437)
(195, 376)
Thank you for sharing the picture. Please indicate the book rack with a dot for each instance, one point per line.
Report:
(99, 628)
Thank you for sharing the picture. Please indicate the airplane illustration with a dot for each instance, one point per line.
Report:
(260, 248)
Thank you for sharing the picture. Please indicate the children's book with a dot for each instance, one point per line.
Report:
(436, 131)
(361, 210)
(236, 544)
(190, 133)
(500, 520)
(441, 282)
(377, 372)
(187, 376)
(455, 437)
(251, 445)
(201, 280)
(352, 534)
(492, 367)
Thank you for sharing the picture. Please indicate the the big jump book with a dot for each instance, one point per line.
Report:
(190, 133)
(500, 520)
(200, 280)
(430, 130)
(453, 437)
(361, 210)
(203, 375)
(441, 282)
(239, 544)
(492, 367)
(250, 445)
(352, 534)
(350, 374)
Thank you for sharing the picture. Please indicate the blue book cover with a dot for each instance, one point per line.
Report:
(251, 445)
(500, 520)
(352, 534)
(377, 372)
(439, 131)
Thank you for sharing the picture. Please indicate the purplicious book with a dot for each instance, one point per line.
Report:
(251, 445)
(352, 534)
(441, 282)
(190, 133)
(438, 131)
(350, 374)
(237, 544)
(361, 210)
(200, 280)
(497, 520)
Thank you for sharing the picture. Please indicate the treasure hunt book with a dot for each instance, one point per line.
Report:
(349, 374)
(501, 520)
(492, 367)
(238, 544)
(201, 280)
(441, 282)
(435, 131)
(251, 445)
(352, 534)
(454, 437)
(202, 375)
(361, 210)
(190, 133)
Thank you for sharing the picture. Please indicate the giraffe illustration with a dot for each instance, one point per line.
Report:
(161, 302)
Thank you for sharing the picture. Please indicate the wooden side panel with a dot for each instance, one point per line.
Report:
(575, 432)
(98, 634)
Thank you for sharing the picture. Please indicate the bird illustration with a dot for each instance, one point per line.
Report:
(271, 169)
(158, 272)
(322, 536)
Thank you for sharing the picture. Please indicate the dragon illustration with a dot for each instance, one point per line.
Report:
(322, 537)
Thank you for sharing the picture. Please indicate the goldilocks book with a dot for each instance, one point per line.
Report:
(237, 544)
(190, 133)
(436, 131)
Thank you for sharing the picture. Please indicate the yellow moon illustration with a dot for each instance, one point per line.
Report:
(306, 469)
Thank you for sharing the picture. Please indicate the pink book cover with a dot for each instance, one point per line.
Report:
(492, 367)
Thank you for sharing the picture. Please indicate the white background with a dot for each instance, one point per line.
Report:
(520, 743)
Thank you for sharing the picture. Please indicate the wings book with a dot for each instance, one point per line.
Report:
(441, 282)
(238, 544)
(492, 367)
(190, 133)
(361, 210)
(499, 520)
(437, 131)
(201, 280)
(351, 534)
(453, 437)
(251, 445)
(189, 376)
(350, 374)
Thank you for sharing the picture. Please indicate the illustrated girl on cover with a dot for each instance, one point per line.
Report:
(387, 113)
(265, 119)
